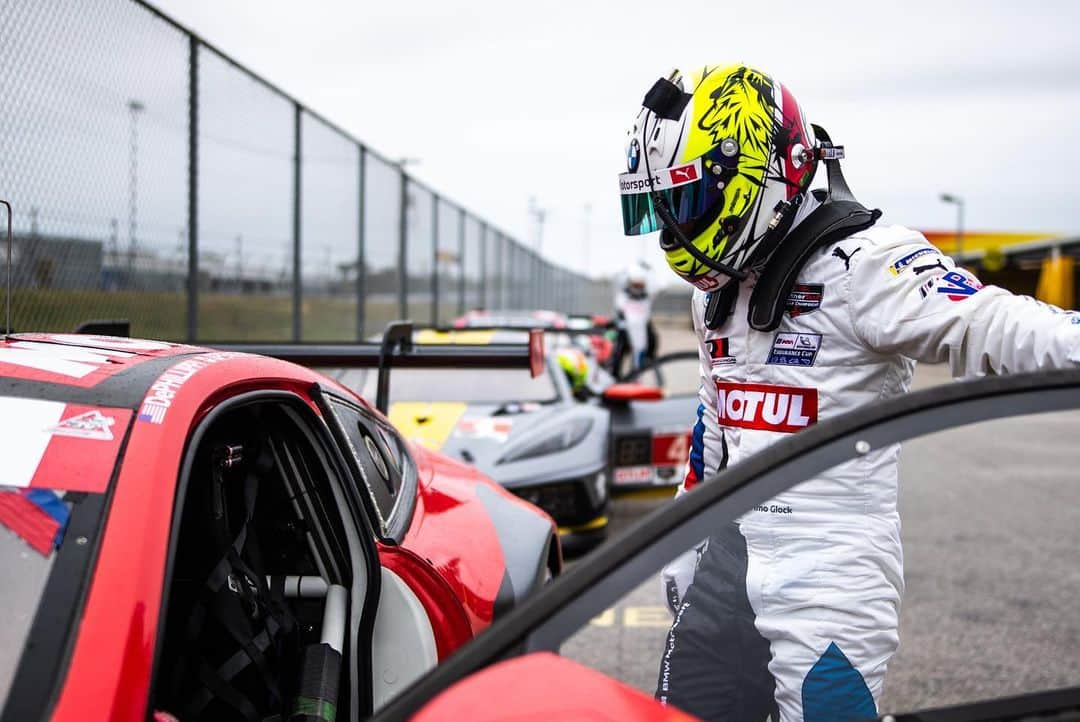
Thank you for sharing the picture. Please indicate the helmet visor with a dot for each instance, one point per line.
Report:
(683, 189)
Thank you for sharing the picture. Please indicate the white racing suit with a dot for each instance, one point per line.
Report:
(793, 611)
(638, 337)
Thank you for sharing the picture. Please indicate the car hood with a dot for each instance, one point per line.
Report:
(475, 433)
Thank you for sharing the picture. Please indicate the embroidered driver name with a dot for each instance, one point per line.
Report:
(766, 407)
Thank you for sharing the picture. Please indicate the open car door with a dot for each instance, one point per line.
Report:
(989, 627)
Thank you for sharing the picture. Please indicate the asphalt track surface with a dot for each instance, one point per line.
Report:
(991, 533)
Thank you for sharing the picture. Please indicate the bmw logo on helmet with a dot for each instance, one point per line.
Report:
(632, 156)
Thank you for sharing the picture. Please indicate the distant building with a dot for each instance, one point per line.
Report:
(56, 262)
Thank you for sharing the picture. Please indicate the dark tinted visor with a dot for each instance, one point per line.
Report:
(682, 189)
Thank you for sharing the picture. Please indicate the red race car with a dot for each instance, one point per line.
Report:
(217, 535)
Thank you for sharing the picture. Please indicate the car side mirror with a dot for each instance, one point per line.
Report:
(625, 393)
(523, 687)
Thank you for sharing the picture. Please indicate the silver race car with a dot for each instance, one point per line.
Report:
(529, 434)
(563, 446)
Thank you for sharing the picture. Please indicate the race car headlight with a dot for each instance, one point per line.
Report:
(550, 443)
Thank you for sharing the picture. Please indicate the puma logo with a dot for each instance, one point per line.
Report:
(919, 270)
(684, 174)
(845, 257)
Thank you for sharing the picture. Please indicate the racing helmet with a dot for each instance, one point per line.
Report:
(636, 281)
(718, 162)
(574, 364)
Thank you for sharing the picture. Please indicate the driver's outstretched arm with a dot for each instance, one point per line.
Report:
(906, 297)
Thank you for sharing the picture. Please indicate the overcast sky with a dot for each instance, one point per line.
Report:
(501, 101)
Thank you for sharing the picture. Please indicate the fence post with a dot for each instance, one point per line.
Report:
(511, 268)
(297, 291)
(361, 265)
(500, 272)
(539, 290)
(507, 291)
(193, 190)
(532, 277)
(482, 291)
(403, 227)
(435, 259)
(521, 264)
(461, 261)
(543, 276)
(540, 274)
(491, 269)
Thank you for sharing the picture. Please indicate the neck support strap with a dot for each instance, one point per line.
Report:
(838, 217)
(834, 220)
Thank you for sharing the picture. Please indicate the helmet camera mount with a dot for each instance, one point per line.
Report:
(831, 155)
(666, 98)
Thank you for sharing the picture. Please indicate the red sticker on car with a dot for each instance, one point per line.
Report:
(671, 449)
(633, 475)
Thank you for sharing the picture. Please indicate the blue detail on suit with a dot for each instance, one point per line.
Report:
(834, 691)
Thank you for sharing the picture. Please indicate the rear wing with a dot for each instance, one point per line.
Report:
(397, 350)
(593, 330)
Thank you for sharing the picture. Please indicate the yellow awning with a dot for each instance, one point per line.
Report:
(982, 241)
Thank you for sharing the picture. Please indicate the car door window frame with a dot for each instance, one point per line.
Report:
(760, 478)
(390, 525)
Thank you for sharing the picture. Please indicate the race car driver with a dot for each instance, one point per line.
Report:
(575, 366)
(808, 306)
(635, 333)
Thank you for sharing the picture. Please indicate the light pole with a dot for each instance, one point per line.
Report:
(540, 215)
(134, 107)
(403, 232)
(587, 239)
(239, 263)
(959, 203)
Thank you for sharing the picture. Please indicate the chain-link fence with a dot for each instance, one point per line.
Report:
(155, 179)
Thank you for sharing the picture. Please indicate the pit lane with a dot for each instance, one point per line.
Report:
(991, 517)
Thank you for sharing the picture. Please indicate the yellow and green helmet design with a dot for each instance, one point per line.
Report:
(576, 367)
(714, 154)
